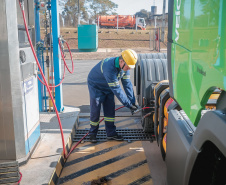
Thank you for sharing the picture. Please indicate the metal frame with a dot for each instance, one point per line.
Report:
(38, 38)
(56, 54)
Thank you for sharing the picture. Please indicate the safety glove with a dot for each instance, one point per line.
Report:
(133, 109)
(135, 105)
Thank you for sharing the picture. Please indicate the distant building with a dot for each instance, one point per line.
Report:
(153, 11)
(155, 18)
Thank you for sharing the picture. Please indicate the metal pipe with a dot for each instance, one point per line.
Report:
(56, 54)
(47, 58)
(78, 14)
(163, 21)
(36, 59)
(38, 38)
(98, 22)
(117, 23)
(51, 50)
(155, 21)
(159, 39)
(136, 23)
(43, 68)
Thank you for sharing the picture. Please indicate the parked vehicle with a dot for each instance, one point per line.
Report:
(187, 93)
(124, 21)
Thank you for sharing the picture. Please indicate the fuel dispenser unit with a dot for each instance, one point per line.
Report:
(19, 107)
(29, 86)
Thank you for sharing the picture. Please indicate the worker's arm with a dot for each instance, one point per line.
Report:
(113, 83)
(128, 87)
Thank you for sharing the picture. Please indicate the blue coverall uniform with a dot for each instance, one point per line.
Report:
(103, 84)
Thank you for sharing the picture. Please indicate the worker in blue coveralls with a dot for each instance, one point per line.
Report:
(103, 84)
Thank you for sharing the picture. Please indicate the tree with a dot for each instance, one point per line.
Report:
(70, 12)
(89, 9)
(101, 7)
(143, 14)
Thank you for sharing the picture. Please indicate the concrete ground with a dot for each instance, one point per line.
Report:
(40, 167)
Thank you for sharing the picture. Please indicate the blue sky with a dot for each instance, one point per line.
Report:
(130, 7)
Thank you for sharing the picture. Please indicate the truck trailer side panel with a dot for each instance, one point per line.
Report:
(200, 29)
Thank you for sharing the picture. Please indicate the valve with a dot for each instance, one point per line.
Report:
(22, 4)
(136, 111)
(47, 61)
(42, 6)
(49, 5)
(144, 102)
(62, 41)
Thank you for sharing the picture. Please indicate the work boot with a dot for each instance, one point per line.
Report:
(93, 138)
(116, 137)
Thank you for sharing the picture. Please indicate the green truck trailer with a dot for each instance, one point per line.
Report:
(187, 93)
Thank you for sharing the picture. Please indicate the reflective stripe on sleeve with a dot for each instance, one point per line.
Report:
(120, 75)
(126, 77)
(113, 84)
(101, 66)
(102, 62)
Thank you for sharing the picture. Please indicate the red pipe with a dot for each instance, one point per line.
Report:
(76, 145)
(88, 132)
(55, 85)
(115, 110)
(40, 69)
(65, 64)
(64, 58)
(122, 107)
(147, 108)
(20, 179)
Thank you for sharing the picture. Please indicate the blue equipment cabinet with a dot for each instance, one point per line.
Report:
(87, 38)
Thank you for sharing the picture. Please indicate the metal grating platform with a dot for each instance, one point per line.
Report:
(128, 135)
(9, 172)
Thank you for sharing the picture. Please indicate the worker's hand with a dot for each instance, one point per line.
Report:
(135, 105)
(133, 109)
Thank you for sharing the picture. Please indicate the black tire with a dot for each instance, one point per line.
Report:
(151, 72)
(137, 70)
(209, 167)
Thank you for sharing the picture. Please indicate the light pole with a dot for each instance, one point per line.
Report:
(78, 14)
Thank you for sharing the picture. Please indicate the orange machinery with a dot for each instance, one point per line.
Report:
(124, 21)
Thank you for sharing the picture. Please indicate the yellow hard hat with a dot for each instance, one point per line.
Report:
(130, 57)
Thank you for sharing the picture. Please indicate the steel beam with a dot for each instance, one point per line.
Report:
(56, 54)
(37, 31)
